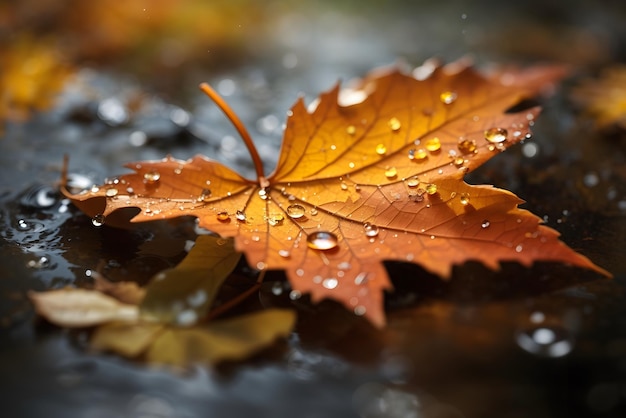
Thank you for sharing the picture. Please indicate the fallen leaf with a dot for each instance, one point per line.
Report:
(81, 308)
(605, 98)
(126, 292)
(183, 294)
(379, 179)
(231, 339)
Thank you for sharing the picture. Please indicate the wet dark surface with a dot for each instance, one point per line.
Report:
(546, 341)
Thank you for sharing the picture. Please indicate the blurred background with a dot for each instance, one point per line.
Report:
(110, 82)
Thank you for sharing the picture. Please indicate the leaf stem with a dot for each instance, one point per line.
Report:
(237, 299)
(232, 116)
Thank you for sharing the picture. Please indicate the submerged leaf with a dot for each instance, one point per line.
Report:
(126, 339)
(81, 308)
(184, 294)
(231, 339)
(355, 185)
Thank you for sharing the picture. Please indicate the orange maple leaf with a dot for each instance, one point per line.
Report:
(359, 184)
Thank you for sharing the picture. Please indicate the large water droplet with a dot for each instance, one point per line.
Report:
(432, 144)
(98, 220)
(322, 240)
(295, 211)
(151, 176)
(275, 219)
(467, 146)
(381, 149)
(394, 124)
(370, 230)
(496, 135)
(448, 97)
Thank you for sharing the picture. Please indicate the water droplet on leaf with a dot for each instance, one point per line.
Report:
(432, 144)
(448, 97)
(223, 216)
(111, 192)
(391, 173)
(467, 146)
(394, 124)
(98, 220)
(381, 149)
(240, 215)
(330, 283)
(496, 135)
(431, 188)
(485, 224)
(351, 130)
(370, 230)
(465, 199)
(151, 176)
(322, 240)
(295, 211)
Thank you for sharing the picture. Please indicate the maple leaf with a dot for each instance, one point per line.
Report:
(379, 179)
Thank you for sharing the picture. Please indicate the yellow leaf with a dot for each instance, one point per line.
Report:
(81, 307)
(232, 339)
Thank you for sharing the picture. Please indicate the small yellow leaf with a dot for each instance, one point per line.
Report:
(81, 307)
(184, 294)
(231, 339)
(127, 339)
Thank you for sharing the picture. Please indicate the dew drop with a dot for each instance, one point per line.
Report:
(111, 192)
(275, 219)
(151, 176)
(465, 199)
(413, 182)
(284, 253)
(419, 155)
(394, 124)
(344, 186)
(431, 188)
(98, 220)
(263, 194)
(370, 230)
(223, 216)
(458, 161)
(351, 164)
(519, 248)
(495, 135)
(277, 289)
(432, 144)
(391, 173)
(240, 215)
(467, 146)
(485, 224)
(295, 211)
(448, 97)
(381, 149)
(330, 283)
(322, 240)
(351, 130)
(313, 212)
(344, 265)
